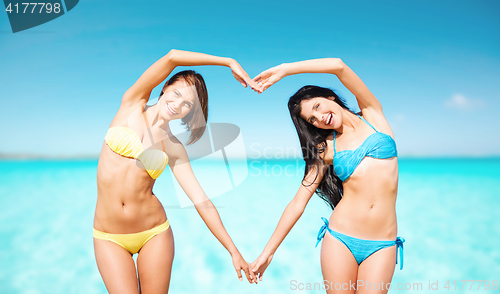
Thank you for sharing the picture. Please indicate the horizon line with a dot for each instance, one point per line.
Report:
(31, 156)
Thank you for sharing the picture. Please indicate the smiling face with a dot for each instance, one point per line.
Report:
(178, 100)
(321, 112)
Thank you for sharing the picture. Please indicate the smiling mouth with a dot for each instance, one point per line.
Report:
(171, 110)
(329, 119)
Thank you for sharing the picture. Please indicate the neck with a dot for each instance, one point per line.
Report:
(349, 122)
(154, 119)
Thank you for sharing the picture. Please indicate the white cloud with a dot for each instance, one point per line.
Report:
(459, 101)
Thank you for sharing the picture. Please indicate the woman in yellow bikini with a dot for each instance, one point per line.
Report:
(129, 218)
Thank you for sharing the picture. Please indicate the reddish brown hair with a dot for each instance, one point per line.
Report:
(196, 120)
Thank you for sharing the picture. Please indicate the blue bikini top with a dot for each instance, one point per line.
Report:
(377, 145)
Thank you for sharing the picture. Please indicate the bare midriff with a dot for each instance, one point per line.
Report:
(367, 209)
(125, 200)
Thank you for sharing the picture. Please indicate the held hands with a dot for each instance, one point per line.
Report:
(254, 271)
(260, 265)
(240, 264)
(269, 77)
(241, 75)
(262, 81)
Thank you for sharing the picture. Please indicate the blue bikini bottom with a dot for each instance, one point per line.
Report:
(361, 248)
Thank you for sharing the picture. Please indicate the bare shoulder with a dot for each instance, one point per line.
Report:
(126, 112)
(377, 119)
(174, 148)
(131, 97)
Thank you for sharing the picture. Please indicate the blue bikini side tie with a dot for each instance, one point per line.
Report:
(361, 248)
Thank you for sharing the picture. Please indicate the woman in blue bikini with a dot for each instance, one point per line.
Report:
(351, 162)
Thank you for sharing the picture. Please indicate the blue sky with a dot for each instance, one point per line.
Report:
(434, 65)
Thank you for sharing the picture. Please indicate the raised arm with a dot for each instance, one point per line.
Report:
(181, 168)
(290, 216)
(351, 81)
(162, 68)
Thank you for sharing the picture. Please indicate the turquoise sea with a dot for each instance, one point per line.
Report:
(448, 212)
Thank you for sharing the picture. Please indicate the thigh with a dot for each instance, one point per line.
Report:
(338, 265)
(376, 271)
(154, 263)
(116, 266)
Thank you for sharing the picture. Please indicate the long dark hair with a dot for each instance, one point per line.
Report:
(313, 142)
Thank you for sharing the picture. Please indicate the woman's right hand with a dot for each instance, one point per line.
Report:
(270, 76)
(241, 75)
(240, 264)
(260, 265)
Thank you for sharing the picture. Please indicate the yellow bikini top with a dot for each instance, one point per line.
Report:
(125, 142)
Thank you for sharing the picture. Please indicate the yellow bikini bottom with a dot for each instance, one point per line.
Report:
(132, 242)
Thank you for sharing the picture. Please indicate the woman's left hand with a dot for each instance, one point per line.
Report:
(269, 77)
(240, 264)
(241, 75)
